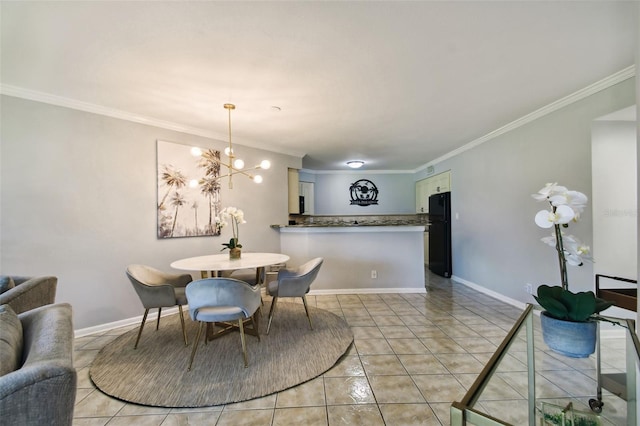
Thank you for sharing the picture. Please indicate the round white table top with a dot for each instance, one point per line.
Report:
(221, 262)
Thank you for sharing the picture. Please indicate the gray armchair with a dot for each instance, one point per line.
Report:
(157, 289)
(214, 300)
(29, 292)
(294, 283)
(37, 380)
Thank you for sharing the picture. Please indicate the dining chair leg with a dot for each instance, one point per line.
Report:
(144, 318)
(244, 344)
(184, 330)
(272, 312)
(306, 308)
(255, 325)
(195, 345)
(158, 322)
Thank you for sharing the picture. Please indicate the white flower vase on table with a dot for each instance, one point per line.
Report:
(236, 216)
(568, 319)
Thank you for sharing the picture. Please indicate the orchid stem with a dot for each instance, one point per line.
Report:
(561, 259)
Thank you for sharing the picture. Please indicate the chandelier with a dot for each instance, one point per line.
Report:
(236, 165)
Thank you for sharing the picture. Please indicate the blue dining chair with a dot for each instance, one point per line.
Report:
(293, 283)
(215, 300)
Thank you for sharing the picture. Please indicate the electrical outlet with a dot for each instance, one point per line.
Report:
(374, 274)
(528, 288)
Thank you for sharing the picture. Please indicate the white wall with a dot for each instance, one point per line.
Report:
(496, 243)
(614, 203)
(78, 201)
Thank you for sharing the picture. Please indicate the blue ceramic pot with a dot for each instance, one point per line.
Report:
(572, 339)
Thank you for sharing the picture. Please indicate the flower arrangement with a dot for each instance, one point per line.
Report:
(565, 207)
(236, 216)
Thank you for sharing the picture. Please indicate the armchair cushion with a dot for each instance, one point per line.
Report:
(10, 340)
(6, 283)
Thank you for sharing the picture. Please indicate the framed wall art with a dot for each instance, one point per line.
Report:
(188, 191)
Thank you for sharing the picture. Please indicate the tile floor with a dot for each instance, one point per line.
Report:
(413, 355)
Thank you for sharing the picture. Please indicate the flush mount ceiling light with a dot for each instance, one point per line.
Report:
(355, 164)
(236, 165)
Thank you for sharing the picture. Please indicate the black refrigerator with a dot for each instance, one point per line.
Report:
(440, 234)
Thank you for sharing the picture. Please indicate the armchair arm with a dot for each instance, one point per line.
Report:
(30, 293)
(40, 393)
(43, 390)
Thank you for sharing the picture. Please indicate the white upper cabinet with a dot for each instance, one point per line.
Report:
(422, 199)
(427, 187)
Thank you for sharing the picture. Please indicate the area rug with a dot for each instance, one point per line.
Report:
(156, 373)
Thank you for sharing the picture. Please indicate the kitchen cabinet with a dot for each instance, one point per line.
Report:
(294, 191)
(429, 186)
(422, 196)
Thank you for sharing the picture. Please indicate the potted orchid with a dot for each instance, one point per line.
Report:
(236, 216)
(564, 309)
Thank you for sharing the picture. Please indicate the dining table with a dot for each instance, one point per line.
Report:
(212, 265)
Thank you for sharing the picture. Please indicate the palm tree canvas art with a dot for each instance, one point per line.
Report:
(188, 191)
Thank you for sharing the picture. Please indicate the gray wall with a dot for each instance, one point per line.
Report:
(496, 243)
(396, 193)
(78, 197)
(78, 200)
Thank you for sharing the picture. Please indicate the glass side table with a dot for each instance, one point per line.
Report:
(524, 382)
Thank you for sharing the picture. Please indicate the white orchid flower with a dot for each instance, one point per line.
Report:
(550, 241)
(549, 190)
(574, 199)
(560, 215)
(575, 252)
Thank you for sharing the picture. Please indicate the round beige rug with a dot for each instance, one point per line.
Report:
(156, 373)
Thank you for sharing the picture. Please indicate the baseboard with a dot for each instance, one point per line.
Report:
(484, 290)
(124, 323)
(170, 311)
(606, 331)
(367, 291)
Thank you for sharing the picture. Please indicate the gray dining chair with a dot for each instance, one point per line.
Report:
(293, 283)
(252, 276)
(221, 300)
(158, 289)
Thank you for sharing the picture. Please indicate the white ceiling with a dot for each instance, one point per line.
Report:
(397, 84)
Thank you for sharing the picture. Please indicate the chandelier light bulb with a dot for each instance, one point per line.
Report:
(238, 164)
(257, 179)
(228, 151)
(196, 152)
(193, 183)
(265, 164)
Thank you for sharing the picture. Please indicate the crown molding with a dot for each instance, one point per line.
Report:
(47, 98)
(592, 89)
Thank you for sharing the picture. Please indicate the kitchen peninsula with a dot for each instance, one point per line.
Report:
(359, 256)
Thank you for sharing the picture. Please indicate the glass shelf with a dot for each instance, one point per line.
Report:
(525, 382)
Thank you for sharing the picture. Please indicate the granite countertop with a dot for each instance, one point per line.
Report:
(348, 224)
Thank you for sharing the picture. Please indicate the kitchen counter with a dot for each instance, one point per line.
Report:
(348, 225)
(359, 258)
(351, 228)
